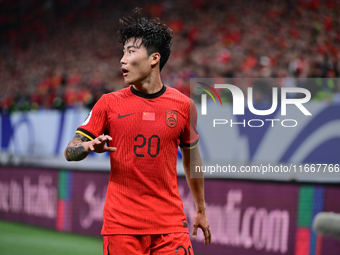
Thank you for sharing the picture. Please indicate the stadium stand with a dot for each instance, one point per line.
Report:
(58, 54)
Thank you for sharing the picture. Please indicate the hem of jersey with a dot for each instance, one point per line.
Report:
(148, 96)
(144, 232)
(86, 133)
(189, 145)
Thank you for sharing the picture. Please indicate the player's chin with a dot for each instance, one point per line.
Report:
(128, 81)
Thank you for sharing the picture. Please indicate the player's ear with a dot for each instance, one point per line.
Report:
(155, 58)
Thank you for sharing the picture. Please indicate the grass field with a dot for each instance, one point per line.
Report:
(16, 239)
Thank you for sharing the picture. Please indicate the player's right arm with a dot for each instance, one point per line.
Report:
(80, 146)
(87, 138)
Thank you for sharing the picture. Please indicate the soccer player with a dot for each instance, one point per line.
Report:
(143, 125)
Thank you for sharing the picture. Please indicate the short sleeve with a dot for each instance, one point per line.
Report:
(95, 123)
(189, 137)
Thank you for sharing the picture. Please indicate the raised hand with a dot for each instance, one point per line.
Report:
(80, 146)
(99, 145)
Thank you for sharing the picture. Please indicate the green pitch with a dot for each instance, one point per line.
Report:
(23, 239)
(16, 238)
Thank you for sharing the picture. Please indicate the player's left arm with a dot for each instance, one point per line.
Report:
(190, 159)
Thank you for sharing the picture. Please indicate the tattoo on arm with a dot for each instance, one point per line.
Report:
(75, 150)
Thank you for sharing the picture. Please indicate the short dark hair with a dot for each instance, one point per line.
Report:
(155, 35)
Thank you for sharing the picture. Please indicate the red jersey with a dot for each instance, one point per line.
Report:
(142, 196)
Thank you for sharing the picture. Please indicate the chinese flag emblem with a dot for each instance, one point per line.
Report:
(171, 118)
(148, 116)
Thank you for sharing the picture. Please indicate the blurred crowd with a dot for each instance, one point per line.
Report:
(57, 54)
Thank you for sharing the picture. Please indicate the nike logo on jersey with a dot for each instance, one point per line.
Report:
(122, 116)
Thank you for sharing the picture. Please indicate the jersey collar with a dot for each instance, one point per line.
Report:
(148, 96)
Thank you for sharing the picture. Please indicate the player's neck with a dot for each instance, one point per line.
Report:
(151, 85)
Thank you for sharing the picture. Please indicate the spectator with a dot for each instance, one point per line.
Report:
(56, 54)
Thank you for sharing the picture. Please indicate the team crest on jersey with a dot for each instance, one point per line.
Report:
(171, 118)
